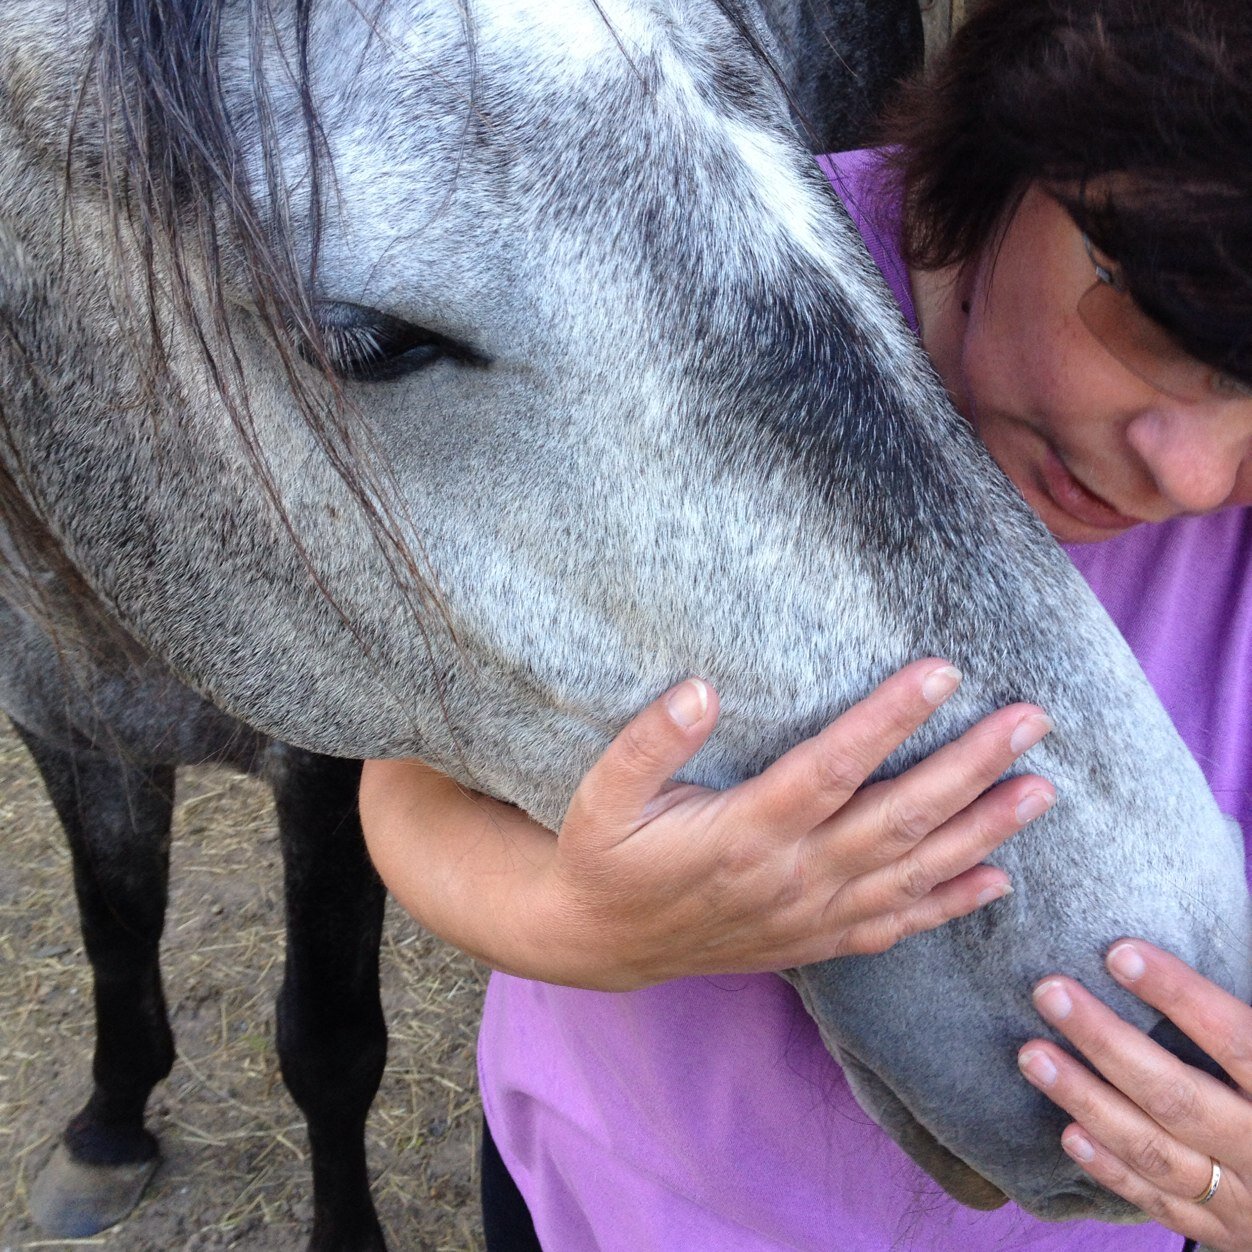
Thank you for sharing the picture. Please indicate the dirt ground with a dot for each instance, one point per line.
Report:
(234, 1171)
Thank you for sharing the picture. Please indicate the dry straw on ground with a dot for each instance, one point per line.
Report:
(234, 1173)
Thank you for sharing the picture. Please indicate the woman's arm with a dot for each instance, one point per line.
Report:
(649, 880)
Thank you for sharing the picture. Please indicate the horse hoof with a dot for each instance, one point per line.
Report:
(71, 1200)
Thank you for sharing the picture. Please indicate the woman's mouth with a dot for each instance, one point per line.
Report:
(1077, 501)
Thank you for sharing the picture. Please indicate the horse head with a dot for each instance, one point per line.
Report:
(585, 385)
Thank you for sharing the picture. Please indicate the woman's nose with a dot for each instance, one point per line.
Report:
(1193, 453)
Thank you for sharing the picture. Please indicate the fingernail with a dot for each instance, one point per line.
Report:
(1029, 731)
(1125, 963)
(688, 703)
(940, 683)
(998, 892)
(1078, 1146)
(1037, 1066)
(1033, 804)
(1052, 1001)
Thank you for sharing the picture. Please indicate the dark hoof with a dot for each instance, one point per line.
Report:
(71, 1200)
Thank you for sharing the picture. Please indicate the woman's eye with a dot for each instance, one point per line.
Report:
(1228, 387)
(367, 345)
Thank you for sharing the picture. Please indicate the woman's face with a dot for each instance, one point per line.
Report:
(1093, 447)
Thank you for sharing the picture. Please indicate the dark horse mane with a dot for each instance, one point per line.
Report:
(174, 165)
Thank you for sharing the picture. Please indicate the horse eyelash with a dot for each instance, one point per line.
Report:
(365, 344)
(366, 347)
(345, 343)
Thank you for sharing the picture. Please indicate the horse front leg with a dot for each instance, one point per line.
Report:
(332, 1039)
(117, 821)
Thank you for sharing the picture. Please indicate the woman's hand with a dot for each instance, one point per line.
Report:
(1151, 1127)
(650, 880)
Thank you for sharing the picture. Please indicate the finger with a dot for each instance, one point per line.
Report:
(967, 892)
(1209, 1015)
(1181, 1215)
(804, 786)
(888, 819)
(1139, 1142)
(1189, 1104)
(956, 847)
(637, 766)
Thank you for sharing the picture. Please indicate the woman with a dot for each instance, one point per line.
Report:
(1076, 255)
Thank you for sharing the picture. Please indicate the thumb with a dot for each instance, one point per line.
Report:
(614, 795)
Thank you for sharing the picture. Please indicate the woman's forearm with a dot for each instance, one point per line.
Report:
(469, 868)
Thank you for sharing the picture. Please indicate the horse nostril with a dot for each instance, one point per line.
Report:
(1171, 1038)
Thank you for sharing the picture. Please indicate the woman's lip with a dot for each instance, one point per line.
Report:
(1070, 496)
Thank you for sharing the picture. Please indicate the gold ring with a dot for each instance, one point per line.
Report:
(1215, 1181)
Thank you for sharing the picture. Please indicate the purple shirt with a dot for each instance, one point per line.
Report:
(705, 1115)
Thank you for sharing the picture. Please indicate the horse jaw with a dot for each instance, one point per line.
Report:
(959, 1180)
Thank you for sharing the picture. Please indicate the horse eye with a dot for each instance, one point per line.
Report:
(367, 345)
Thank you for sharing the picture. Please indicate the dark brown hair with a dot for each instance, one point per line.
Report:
(1157, 93)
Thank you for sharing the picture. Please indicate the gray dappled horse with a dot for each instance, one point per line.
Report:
(416, 378)
(107, 721)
